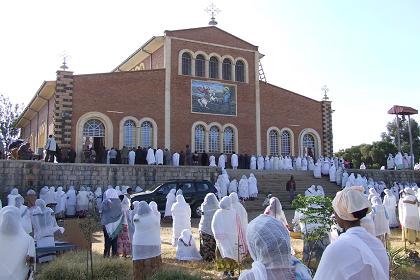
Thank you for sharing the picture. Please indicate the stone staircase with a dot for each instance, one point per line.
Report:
(274, 182)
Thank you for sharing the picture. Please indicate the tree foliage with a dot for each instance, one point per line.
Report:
(9, 113)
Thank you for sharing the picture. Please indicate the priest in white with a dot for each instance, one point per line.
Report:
(159, 157)
(82, 202)
(181, 217)
(150, 158)
(233, 186)
(234, 161)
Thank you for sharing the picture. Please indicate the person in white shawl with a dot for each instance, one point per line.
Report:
(409, 216)
(111, 220)
(233, 186)
(212, 161)
(333, 175)
(242, 220)
(344, 179)
(186, 249)
(252, 186)
(131, 157)
(398, 161)
(311, 164)
(17, 253)
(243, 189)
(170, 200)
(234, 161)
(82, 202)
(175, 159)
(260, 163)
(270, 248)
(223, 186)
(325, 169)
(222, 161)
(253, 163)
(43, 193)
(207, 241)
(267, 163)
(25, 214)
(380, 218)
(150, 157)
(14, 193)
(390, 164)
(225, 231)
(275, 210)
(98, 197)
(317, 170)
(159, 157)
(365, 256)
(146, 242)
(304, 165)
(276, 162)
(390, 204)
(71, 202)
(298, 165)
(45, 226)
(61, 199)
(181, 217)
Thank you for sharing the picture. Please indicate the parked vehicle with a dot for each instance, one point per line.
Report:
(194, 192)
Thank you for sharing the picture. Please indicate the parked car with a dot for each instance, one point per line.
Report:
(194, 192)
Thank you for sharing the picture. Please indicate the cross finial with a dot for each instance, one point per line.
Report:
(325, 89)
(213, 11)
(64, 66)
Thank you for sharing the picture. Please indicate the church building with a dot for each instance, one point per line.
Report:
(201, 86)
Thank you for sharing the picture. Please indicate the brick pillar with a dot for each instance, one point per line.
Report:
(327, 133)
(63, 108)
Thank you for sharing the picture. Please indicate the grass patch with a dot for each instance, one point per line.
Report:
(176, 275)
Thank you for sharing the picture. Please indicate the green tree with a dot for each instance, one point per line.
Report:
(9, 113)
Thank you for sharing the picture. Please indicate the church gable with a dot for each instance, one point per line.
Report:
(211, 34)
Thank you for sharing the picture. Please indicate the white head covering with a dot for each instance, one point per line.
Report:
(348, 201)
(275, 210)
(154, 207)
(111, 193)
(208, 208)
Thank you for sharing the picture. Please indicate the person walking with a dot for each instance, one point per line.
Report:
(51, 148)
(291, 188)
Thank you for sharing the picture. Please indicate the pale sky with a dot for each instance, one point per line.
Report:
(366, 52)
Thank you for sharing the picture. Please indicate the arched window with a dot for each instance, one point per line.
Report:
(285, 143)
(94, 128)
(228, 140)
(214, 68)
(309, 145)
(199, 138)
(200, 66)
(129, 133)
(214, 139)
(186, 64)
(274, 142)
(146, 134)
(240, 71)
(227, 69)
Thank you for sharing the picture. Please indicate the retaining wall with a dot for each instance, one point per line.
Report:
(388, 176)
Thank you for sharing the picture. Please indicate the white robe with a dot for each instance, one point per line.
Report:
(253, 163)
(234, 161)
(365, 258)
(380, 219)
(159, 156)
(150, 158)
(175, 159)
(390, 204)
(304, 164)
(409, 213)
(252, 186)
(71, 202)
(212, 161)
(181, 216)
(260, 163)
(333, 174)
(82, 201)
(170, 200)
(233, 186)
(325, 170)
(61, 198)
(243, 190)
(186, 249)
(398, 160)
(222, 161)
(298, 165)
(267, 164)
(131, 157)
(317, 170)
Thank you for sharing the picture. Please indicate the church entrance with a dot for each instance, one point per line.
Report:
(94, 142)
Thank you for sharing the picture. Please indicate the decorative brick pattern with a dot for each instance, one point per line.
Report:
(63, 108)
(327, 133)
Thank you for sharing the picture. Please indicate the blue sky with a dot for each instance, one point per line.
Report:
(366, 52)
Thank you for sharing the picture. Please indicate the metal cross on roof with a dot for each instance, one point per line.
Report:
(213, 11)
(325, 89)
(64, 66)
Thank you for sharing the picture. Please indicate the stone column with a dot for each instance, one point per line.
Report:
(63, 108)
(327, 133)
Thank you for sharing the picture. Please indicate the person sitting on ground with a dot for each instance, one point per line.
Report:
(186, 249)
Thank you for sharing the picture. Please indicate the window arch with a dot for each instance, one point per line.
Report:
(200, 65)
(214, 139)
(308, 143)
(199, 138)
(214, 68)
(285, 143)
(240, 71)
(146, 134)
(94, 128)
(130, 140)
(228, 140)
(274, 142)
(186, 64)
(227, 69)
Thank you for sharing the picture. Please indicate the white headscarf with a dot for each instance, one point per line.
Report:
(208, 208)
(276, 210)
(348, 201)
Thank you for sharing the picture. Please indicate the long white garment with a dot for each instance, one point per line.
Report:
(332, 173)
(175, 159)
(344, 179)
(150, 158)
(170, 200)
(252, 186)
(61, 199)
(409, 213)
(71, 202)
(298, 165)
(317, 170)
(243, 191)
(225, 229)
(233, 186)
(367, 223)
(43, 193)
(159, 156)
(223, 188)
(15, 246)
(242, 220)
(51, 196)
(25, 214)
(260, 163)
(14, 193)
(380, 217)
(276, 163)
(181, 217)
(390, 164)
(131, 157)
(267, 164)
(253, 163)
(222, 161)
(390, 204)
(325, 170)
(212, 161)
(98, 197)
(398, 160)
(186, 249)
(275, 210)
(304, 164)
(82, 200)
(365, 258)
(234, 161)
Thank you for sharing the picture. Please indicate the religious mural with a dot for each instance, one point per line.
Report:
(213, 98)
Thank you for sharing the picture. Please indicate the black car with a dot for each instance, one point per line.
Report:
(194, 192)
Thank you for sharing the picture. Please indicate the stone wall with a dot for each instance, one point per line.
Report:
(35, 174)
(388, 176)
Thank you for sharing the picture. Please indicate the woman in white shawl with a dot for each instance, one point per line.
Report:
(170, 200)
(71, 202)
(270, 248)
(225, 230)
(390, 204)
(409, 216)
(253, 163)
(150, 158)
(146, 242)
(186, 250)
(61, 199)
(124, 241)
(242, 221)
(260, 163)
(45, 226)
(12, 196)
(212, 161)
(25, 214)
(82, 202)
(252, 186)
(380, 218)
(154, 207)
(243, 191)
(132, 212)
(111, 220)
(181, 217)
(317, 170)
(233, 186)
(275, 210)
(207, 241)
(17, 253)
